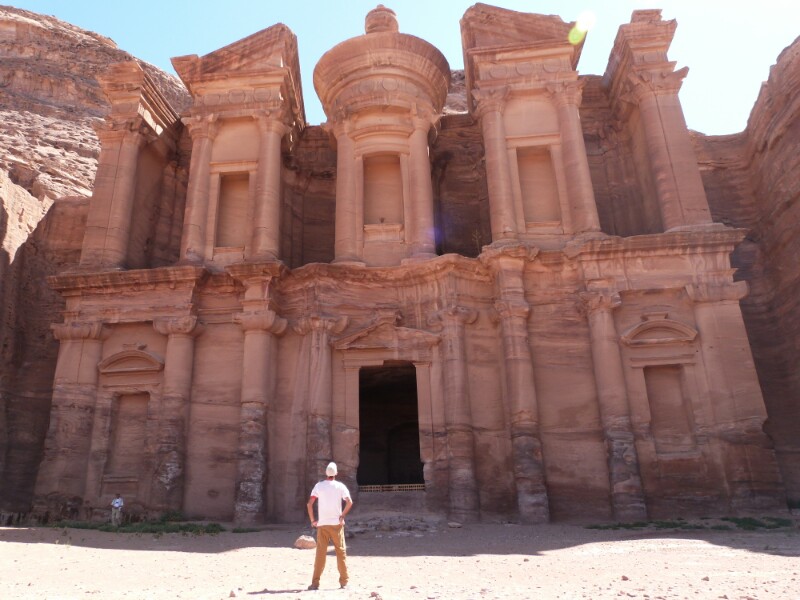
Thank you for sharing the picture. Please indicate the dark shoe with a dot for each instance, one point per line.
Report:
(343, 586)
(313, 587)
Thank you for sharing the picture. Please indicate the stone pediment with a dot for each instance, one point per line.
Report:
(484, 26)
(273, 48)
(658, 330)
(131, 361)
(387, 336)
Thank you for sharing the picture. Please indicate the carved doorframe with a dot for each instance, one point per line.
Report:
(372, 347)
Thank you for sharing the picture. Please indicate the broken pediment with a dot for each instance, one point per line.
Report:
(388, 336)
(268, 58)
(131, 361)
(271, 48)
(658, 330)
(484, 26)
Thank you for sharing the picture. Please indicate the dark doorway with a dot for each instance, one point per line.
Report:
(389, 424)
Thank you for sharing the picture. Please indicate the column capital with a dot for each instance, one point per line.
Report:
(508, 309)
(132, 131)
(80, 330)
(319, 322)
(272, 121)
(641, 84)
(595, 301)
(566, 93)
(202, 126)
(717, 292)
(262, 320)
(453, 315)
(490, 100)
(172, 326)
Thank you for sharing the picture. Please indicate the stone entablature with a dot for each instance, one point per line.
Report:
(562, 372)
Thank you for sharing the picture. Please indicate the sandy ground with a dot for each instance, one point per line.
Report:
(474, 562)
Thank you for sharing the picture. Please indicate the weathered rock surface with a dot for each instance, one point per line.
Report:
(50, 102)
(751, 181)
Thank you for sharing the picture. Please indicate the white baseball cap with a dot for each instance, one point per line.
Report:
(331, 470)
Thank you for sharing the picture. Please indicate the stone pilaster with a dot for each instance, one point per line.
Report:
(464, 498)
(318, 329)
(735, 396)
(423, 243)
(170, 460)
(349, 219)
(266, 228)
(627, 494)
(566, 96)
(61, 480)
(508, 265)
(260, 328)
(203, 129)
(681, 196)
(489, 109)
(105, 243)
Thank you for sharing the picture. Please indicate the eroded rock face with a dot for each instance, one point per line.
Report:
(553, 368)
(50, 102)
(751, 181)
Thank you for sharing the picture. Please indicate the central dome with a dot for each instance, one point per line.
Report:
(382, 69)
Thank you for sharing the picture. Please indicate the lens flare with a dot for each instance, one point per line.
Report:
(585, 22)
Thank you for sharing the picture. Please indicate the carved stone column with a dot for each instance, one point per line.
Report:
(105, 243)
(627, 495)
(348, 217)
(203, 129)
(735, 396)
(61, 480)
(319, 445)
(490, 103)
(681, 196)
(583, 208)
(260, 328)
(266, 228)
(423, 243)
(170, 468)
(464, 498)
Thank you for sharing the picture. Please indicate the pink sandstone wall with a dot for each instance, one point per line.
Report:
(751, 181)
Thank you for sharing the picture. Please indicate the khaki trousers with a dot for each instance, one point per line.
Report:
(116, 516)
(330, 534)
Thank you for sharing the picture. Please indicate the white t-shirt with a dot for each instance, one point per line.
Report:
(330, 494)
(117, 503)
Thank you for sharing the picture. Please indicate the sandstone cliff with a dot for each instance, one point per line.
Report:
(50, 101)
(751, 181)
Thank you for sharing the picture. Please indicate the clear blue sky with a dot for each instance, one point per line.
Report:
(728, 45)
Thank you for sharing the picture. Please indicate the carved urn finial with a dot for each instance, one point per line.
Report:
(380, 19)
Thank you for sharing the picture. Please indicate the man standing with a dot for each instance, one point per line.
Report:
(330, 524)
(116, 511)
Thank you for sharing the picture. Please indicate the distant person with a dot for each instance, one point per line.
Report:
(116, 511)
(330, 524)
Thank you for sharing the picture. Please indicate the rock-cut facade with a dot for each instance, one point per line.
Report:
(520, 309)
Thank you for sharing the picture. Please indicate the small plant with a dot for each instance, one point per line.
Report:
(153, 527)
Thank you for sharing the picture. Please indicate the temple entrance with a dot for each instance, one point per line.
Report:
(389, 426)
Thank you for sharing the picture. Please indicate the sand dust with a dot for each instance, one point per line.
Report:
(474, 562)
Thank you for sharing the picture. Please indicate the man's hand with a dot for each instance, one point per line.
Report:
(313, 523)
(341, 520)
